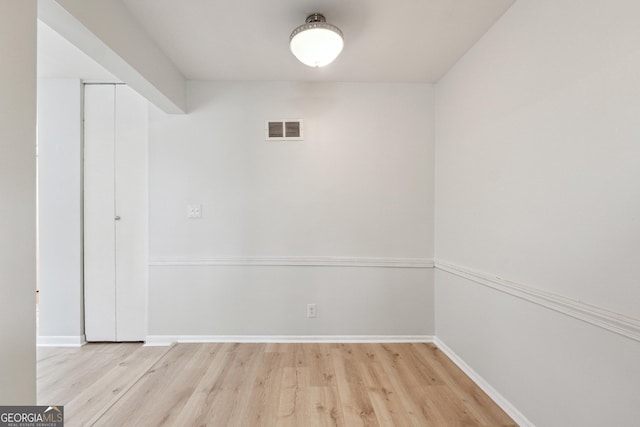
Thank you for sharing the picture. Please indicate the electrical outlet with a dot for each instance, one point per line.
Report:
(194, 211)
(311, 310)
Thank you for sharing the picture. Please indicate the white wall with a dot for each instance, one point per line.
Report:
(17, 202)
(359, 186)
(537, 177)
(60, 209)
(108, 33)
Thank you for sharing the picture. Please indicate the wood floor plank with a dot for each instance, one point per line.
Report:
(64, 371)
(451, 411)
(324, 407)
(202, 400)
(94, 400)
(236, 385)
(321, 369)
(419, 412)
(476, 402)
(262, 404)
(385, 398)
(274, 384)
(420, 366)
(294, 395)
(356, 404)
(168, 384)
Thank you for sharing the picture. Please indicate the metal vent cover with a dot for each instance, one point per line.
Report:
(284, 130)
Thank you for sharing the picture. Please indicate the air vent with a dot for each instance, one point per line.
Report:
(283, 130)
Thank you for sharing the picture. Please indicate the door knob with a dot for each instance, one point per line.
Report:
(117, 218)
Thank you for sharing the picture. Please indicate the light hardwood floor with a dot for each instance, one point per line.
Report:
(262, 385)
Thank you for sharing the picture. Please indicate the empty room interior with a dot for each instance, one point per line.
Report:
(436, 224)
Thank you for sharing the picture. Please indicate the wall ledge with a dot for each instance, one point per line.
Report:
(614, 322)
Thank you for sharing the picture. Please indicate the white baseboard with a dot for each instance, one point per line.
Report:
(500, 400)
(164, 340)
(62, 341)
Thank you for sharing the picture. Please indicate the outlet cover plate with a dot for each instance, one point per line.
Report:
(311, 310)
(194, 211)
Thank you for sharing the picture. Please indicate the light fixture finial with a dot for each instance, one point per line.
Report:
(315, 17)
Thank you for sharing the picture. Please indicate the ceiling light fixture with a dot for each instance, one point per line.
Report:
(316, 43)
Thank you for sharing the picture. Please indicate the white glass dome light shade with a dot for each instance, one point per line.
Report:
(316, 43)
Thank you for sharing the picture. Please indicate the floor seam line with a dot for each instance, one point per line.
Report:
(125, 390)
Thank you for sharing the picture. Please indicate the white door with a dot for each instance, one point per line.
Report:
(115, 213)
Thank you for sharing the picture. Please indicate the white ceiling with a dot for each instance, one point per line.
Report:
(385, 40)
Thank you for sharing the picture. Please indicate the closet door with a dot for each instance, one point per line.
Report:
(131, 201)
(99, 213)
(115, 214)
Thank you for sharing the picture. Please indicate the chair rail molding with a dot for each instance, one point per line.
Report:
(615, 322)
(293, 261)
